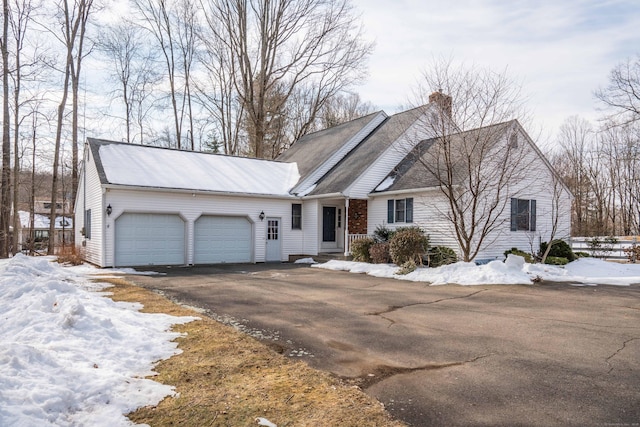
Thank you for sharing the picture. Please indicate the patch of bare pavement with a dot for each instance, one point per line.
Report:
(548, 354)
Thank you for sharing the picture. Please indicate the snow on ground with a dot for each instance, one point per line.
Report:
(69, 355)
(513, 271)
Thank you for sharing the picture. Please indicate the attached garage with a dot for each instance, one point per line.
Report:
(222, 239)
(149, 239)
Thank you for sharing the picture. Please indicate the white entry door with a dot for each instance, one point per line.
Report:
(274, 247)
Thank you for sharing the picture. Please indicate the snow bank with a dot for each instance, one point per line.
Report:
(70, 356)
(513, 271)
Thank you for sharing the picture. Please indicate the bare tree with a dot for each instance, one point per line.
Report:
(343, 108)
(557, 212)
(172, 25)
(278, 47)
(74, 21)
(133, 70)
(21, 17)
(622, 94)
(5, 198)
(215, 92)
(473, 156)
(575, 142)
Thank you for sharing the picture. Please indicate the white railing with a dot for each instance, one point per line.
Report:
(604, 246)
(351, 238)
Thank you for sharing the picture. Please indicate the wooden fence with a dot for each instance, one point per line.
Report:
(609, 247)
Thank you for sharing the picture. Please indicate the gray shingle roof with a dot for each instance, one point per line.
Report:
(413, 171)
(315, 148)
(338, 179)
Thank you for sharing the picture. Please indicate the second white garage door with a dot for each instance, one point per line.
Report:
(222, 239)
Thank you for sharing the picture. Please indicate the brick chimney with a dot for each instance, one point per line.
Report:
(443, 101)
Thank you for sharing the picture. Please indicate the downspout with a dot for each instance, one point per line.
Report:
(346, 227)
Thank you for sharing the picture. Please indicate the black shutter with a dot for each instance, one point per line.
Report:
(532, 220)
(408, 206)
(514, 214)
(390, 211)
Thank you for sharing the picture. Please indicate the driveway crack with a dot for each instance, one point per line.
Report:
(392, 308)
(624, 345)
(383, 372)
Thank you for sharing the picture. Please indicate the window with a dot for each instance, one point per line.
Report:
(339, 218)
(272, 229)
(87, 223)
(296, 216)
(400, 210)
(523, 215)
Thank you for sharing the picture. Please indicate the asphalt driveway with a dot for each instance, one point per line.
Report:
(540, 355)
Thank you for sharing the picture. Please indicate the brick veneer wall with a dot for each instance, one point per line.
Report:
(357, 216)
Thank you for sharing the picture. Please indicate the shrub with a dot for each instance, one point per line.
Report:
(582, 254)
(556, 260)
(379, 253)
(515, 251)
(383, 234)
(559, 248)
(408, 244)
(441, 255)
(360, 249)
(407, 267)
(70, 255)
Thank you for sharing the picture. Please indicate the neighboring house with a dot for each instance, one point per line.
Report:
(142, 205)
(63, 231)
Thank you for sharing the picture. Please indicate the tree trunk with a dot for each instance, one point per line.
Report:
(5, 197)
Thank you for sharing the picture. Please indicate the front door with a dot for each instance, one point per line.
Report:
(274, 250)
(328, 223)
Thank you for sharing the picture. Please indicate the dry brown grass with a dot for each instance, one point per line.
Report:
(225, 378)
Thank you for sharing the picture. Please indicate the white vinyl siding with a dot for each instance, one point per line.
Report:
(430, 212)
(380, 168)
(89, 197)
(192, 206)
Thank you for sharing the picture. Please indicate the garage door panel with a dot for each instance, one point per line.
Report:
(222, 239)
(149, 239)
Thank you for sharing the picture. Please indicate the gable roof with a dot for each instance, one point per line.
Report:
(411, 172)
(359, 159)
(318, 152)
(154, 167)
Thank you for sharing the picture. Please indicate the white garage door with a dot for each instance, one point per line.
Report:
(149, 239)
(220, 239)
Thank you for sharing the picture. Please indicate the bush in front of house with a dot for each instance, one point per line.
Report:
(582, 254)
(556, 260)
(559, 248)
(441, 255)
(528, 258)
(383, 234)
(379, 253)
(360, 249)
(408, 244)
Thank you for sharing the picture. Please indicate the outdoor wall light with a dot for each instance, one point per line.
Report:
(261, 216)
(109, 209)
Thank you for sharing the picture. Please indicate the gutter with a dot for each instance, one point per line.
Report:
(192, 191)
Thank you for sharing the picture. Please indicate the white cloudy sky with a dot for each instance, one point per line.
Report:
(560, 50)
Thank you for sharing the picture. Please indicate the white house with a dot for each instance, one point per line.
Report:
(63, 231)
(142, 205)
